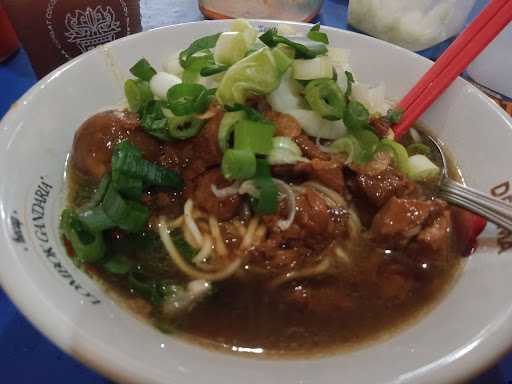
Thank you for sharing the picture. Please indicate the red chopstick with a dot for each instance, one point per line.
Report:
(491, 21)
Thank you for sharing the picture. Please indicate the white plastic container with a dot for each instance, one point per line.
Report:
(492, 67)
(413, 24)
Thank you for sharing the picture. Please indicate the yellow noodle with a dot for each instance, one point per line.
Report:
(318, 269)
(220, 247)
(188, 269)
(176, 223)
(204, 252)
(298, 189)
(191, 224)
(188, 236)
(239, 227)
(355, 226)
(334, 196)
(248, 238)
(342, 255)
(260, 234)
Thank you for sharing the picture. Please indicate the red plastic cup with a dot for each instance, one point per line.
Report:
(8, 40)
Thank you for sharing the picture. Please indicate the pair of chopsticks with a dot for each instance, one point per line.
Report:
(491, 21)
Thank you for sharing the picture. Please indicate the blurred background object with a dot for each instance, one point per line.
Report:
(412, 24)
(295, 10)
(491, 68)
(53, 32)
(8, 40)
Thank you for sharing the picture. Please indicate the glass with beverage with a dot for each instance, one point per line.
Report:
(8, 39)
(54, 31)
(296, 10)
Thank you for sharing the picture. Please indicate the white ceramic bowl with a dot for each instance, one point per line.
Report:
(461, 336)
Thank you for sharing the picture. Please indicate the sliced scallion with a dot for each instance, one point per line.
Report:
(326, 98)
(356, 116)
(397, 152)
(238, 164)
(143, 70)
(127, 160)
(128, 215)
(95, 219)
(227, 126)
(267, 200)
(118, 265)
(254, 136)
(100, 191)
(315, 34)
(206, 42)
(88, 246)
(138, 94)
(348, 145)
(213, 69)
(184, 127)
(303, 48)
(187, 99)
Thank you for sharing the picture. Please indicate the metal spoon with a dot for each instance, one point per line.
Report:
(475, 201)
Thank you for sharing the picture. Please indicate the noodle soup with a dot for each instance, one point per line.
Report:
(267, 210)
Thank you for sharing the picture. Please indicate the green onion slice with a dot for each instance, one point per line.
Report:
(304, 48)
(130, 187)
(143, 70)
(154, 121)
(267, 200)
(213, 69)
(356, 116)
(206, 42)
(128, 215)
(87, 245)
(100, 191)
(315, 34)
(197, 63)
(227, 126)
(118, 265)
(138, 94)
(397, 152)
(187, 99)
(95, 219)
(238, 164)
(184, 127)
(368, 142)
(127, 160)
(326, 98)
(348, 145)
(254, 136)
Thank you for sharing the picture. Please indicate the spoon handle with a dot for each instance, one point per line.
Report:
(484, 205)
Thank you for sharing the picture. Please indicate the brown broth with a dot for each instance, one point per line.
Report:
(244, 314)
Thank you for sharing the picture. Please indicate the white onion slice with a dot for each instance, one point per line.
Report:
(161, 82)
(226, 192)
(315, 126)
(248, 188)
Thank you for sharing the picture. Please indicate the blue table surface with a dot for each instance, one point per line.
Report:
(26, 356)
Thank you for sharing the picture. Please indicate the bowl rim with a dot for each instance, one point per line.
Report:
(97, 357)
